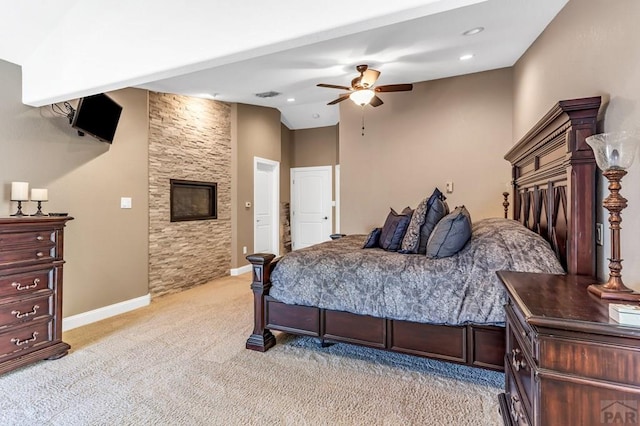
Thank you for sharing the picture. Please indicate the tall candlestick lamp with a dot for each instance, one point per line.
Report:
(19, 193)
(614, 154)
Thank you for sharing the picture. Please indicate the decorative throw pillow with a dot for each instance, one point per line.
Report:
(407, 211)
(450, 234)
(373, 240)
(394, 229)
(412, 236)
(438, 209)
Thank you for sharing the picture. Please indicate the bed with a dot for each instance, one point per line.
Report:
(554, 178)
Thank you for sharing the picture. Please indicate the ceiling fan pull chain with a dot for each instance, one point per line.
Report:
(362, 120)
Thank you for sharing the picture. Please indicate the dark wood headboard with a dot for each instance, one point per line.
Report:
(554, 182)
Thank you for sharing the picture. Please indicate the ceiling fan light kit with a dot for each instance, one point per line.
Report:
(362, 97)
(362, 91)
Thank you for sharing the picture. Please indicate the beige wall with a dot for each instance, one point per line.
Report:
(455, 129)
(189, 139)
(452, 129)
(105, 246)
(590, 49)
(286, 136)
(286, 159)
(258, 134)
(315, 147)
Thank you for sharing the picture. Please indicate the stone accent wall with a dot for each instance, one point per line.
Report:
(190, 139)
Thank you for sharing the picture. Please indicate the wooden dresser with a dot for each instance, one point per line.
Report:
(31, 259)
(566, 362)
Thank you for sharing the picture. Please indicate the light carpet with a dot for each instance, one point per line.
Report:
(181, 361)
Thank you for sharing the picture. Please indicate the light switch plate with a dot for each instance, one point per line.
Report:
(449, 187)
(599, 234)
(125, 202)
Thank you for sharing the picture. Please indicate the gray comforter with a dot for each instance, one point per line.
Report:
(461, 289)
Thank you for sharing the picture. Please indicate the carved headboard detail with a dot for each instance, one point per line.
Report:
(554, 182)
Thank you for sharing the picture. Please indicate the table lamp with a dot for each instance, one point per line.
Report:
(19, 193)
(39, 195)
(614, 154)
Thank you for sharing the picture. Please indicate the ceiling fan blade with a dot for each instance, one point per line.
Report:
(333, 86)
(340, 99)
(369, 77)
(375, 101)
(394, 88)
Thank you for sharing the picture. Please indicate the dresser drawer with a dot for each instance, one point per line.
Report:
(520, 328)
(25, 310)
(26, 282)
(520, 368)
(28, 238)
(517, 411)
(41, 252)
(23, 339)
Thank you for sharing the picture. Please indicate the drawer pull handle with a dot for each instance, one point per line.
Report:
(516, 411)
(18, 342)
(19, 314)
(517, 363)
(39, 254)
(39, 238)
(19, 286)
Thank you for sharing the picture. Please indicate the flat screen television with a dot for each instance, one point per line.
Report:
(97, 115)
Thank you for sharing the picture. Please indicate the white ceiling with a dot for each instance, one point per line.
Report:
(230, 51)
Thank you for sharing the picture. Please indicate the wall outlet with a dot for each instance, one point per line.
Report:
(599, 234)
(125, 202)
(244, 250)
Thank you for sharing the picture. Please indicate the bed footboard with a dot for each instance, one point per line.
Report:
(261, 339)
(473, 345)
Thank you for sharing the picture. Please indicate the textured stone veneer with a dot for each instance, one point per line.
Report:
(190, 139)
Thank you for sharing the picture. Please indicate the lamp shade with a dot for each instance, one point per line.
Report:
(362, 97)
(19, 191)
(39, 194)
(614, 150)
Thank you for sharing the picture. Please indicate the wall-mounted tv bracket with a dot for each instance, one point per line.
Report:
(68, 112)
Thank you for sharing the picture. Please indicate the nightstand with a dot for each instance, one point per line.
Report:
(566, 362)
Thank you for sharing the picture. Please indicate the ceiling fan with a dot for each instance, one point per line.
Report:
(362, 90)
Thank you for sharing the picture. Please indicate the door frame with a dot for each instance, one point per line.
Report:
(292, 192)
(336, 205)
(275, 202)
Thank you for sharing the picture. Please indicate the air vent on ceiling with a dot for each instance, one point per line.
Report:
(269, 94)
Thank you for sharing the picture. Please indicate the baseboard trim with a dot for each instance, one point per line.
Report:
(241, 270)
(75, 321)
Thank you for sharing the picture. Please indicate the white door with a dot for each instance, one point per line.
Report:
(311, 215)
(266, 198)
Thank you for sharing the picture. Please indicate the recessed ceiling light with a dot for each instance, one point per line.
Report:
(466, 57)
(291, 99)
(316, 115)
(473, 31)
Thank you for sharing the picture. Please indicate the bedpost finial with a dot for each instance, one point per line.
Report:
(505, 204)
